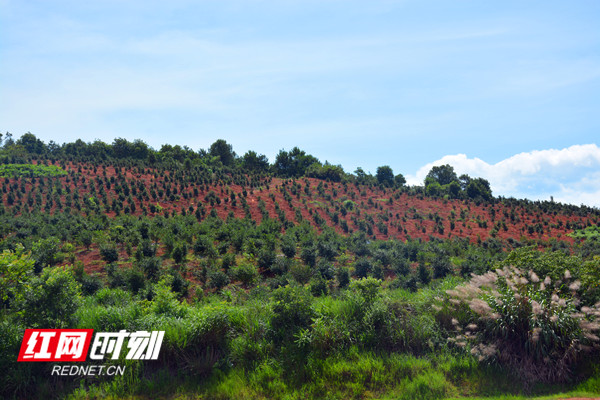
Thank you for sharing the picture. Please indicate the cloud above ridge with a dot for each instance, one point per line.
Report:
(569, 175)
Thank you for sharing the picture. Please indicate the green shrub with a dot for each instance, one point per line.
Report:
(288, 247)
(318, 287)
(16, 269)
(179, 253)
(228, 261)
(145, 249)
(112, 297)
(363, 267)
(165, 302)
(301, 272)
(217, 279)
(245, 273)
(51, 299)
(45, 252)
(281, 265)
(90, 284)
(151, 267)
(201, 341)
(205, 247)
(266, 258)
(292, 312)
(18, 378)
(109, 252)
(343, 277)
(179, 285)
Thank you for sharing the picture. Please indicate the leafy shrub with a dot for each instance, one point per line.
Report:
(52, 299)
(266, 258)
(165, 302)
(201, 341)
(109, 252)
(179, 253)
(318, 287)
(145, 249)
(112, 297)
(281, 265)
(205, 247)
(343, 276)
(17, 377)
(227, 261)
(401, 266)
(45, 252)
(217, 279)
(90, 284)
(16, 269)
(309, 255)
(525, 323)
(441, 267)
(179, 285)
(245, 273)
(301, 272)
(288, 247)
(292, 312)
(151, 267)
(362, 267)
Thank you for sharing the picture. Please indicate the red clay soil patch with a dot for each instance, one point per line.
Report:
(383, 214)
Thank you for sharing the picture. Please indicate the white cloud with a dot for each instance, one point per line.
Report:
(570, 175)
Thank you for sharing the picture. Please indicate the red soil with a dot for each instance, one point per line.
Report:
(405, 216)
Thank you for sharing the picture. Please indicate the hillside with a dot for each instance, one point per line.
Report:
(382, 213)
(256, 272)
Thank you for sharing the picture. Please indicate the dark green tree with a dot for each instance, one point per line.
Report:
(293, 163)
(400, 180)
(442, 174)
(223, 151)
(251, 161)
(385, 175)
(31, 143)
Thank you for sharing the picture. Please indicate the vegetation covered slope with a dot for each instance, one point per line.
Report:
(291, 279)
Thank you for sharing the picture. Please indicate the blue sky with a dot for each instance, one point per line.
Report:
(505, 90)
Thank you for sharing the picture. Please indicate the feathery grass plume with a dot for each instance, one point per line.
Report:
(535, 332)
(562, 302)
(523, 281)
(536, 308)
(534, 278)
(575, 285)
(480, 307)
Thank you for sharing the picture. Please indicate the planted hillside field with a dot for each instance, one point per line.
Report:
(288, 280)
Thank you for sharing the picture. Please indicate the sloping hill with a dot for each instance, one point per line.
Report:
(382, 213)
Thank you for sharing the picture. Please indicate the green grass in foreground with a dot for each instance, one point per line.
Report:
(356, 375)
